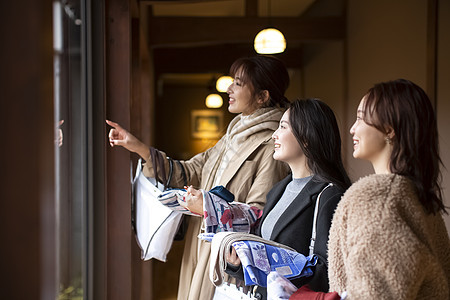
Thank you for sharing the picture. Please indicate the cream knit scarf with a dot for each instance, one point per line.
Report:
(241, 128)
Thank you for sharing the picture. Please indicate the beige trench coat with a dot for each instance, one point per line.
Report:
(249, 175)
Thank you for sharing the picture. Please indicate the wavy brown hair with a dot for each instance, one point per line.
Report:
(406, 108)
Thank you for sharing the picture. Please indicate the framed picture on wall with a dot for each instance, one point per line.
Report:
(206, 124)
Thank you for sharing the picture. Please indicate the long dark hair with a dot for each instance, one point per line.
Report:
(264, 73)
(406, 108)
(314, 125)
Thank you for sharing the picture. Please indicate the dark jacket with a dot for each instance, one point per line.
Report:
(294, 227)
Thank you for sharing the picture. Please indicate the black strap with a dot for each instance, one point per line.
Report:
(154, 155)
(170, 173)
(160, 171)
(182, 229)
(158, 163)
(183, 173)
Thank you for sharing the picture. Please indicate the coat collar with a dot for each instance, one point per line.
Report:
(245, 150)
(303, 200)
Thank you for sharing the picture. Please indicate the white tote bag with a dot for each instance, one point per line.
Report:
(155, 224)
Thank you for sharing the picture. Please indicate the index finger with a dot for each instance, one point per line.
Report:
(113, 124)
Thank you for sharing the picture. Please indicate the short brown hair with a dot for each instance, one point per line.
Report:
(264, 73)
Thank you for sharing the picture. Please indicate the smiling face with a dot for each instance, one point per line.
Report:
(369, 143)
(241, 99)
(287, 148)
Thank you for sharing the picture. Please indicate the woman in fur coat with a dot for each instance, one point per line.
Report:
(388, 239)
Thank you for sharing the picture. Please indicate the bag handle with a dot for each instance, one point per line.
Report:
(183, 173)
(158, 163)
(316, 212)
(169, 178)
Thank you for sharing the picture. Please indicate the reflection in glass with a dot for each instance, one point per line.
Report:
(69, 153)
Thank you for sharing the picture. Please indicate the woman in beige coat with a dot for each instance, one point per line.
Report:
(241, 160)
(388, 239)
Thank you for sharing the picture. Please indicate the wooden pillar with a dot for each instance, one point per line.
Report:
(27, 251)
(432, 40)
(118, 98)
(140, 119)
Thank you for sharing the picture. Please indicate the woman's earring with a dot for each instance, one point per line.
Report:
(388, 140)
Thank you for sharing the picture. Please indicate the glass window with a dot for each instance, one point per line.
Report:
(70, 143)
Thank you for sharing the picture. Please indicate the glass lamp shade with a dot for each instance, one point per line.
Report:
(214, 101)
(270, 41)
(223, 83)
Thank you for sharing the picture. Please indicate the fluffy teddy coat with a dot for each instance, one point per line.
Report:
(384, 245)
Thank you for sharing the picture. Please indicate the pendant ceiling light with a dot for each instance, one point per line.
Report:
(214, 101)
(269, 40)
(223, 83)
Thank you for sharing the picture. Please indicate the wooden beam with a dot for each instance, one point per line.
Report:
(150, 2)
(251, 8)
(196, 31)
(205, 59)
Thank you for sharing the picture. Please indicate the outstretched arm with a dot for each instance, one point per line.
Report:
(120, 137)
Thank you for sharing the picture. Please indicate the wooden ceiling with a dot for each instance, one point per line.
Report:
(208, 35)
